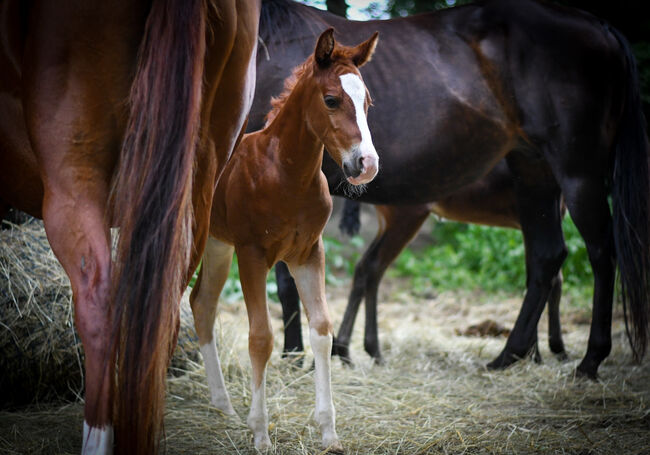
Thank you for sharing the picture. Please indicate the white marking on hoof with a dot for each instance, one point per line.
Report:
(218, 393)
(97, 441)
(258, 418)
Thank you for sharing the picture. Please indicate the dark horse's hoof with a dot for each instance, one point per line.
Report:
(295, 358)
(587, 370)
(561, 356)
(503, 361)
(343, 351)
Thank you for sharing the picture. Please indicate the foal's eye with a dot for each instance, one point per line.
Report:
(331, 101)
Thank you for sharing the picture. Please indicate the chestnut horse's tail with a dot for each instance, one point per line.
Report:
(152, 196)
(630, 201)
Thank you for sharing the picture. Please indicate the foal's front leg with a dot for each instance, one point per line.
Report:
(310, 280)
(252, 274)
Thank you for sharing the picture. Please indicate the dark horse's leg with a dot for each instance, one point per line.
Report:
(397, 226)
(555, 342)
(541, 224)
(587, 202)
(290, 301)
(350, 222)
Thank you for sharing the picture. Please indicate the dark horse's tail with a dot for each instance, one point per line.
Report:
(152, 194)
(630, 198)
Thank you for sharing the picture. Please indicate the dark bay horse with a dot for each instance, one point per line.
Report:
(272, 203)
(551, 90)
(489, 201)
(104, 116)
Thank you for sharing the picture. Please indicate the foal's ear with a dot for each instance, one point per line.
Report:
(362, 53)
(324, 48)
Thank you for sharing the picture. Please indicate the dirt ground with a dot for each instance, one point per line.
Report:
(433, 395)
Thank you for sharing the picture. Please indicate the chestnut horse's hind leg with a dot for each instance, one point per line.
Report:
(397, 226)
(310, 280)
(541, 225)
(82, 247)
(217, 257)
(252, 273)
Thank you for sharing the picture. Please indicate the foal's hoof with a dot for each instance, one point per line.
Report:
(334, 447)
(262, 442)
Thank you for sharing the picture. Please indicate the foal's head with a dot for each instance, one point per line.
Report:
(336, 101)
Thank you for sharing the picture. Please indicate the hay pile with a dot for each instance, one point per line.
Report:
(432, 396)
(41, 354)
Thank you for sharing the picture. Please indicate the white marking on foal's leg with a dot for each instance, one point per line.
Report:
(321, 345)
(218, 393)
(258, 418)
(97, 441)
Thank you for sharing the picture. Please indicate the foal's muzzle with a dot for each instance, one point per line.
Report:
(361, 167)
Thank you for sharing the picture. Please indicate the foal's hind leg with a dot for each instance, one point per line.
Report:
(541, 225)
(252, 273)
(397, 226)
(310, 280)
(217, 257)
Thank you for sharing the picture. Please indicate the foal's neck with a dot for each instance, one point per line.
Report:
(299, 151)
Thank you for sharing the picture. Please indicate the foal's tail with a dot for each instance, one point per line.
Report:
(152, 194)
(630, 200)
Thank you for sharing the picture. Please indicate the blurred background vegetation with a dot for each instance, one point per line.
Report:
(471, 257)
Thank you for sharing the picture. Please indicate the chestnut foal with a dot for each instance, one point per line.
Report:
(271, 204)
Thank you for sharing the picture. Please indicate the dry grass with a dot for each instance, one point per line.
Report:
(42, 356)
(432, 396)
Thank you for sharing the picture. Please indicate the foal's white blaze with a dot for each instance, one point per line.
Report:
(353, 86)
(97, 441)
(321, 346)
(218, 392)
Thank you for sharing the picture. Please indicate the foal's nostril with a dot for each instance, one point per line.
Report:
(350, 170)
(360, 163)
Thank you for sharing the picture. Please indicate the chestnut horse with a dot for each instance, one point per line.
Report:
(104, 115)
(272, 203)
(551, 89)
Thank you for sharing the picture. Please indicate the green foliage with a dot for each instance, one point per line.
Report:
(487, 258)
